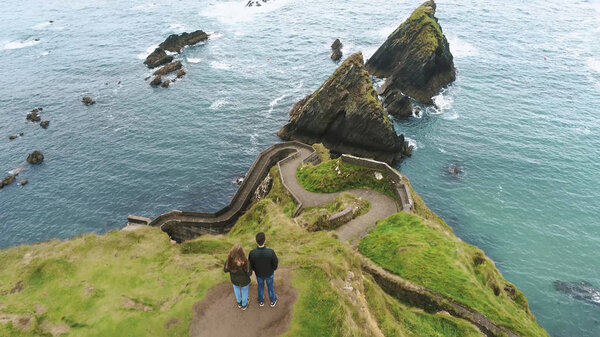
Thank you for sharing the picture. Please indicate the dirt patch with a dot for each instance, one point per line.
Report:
(129, 303)
(218, 315)
(55, 329)
(22, 322)
(40, 309)
(170, 322)
(17, 288)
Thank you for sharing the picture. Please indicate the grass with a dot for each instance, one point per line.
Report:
(427, 254)
(420, 30)
(337, 175)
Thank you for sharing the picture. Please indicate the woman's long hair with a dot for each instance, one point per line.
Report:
(237, 260)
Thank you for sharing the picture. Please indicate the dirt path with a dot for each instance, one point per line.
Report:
(382, 205)
(217, 315)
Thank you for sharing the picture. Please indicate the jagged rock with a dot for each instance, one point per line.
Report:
(7, 181)
(156, 81)
(35, 157)
(416, 58)
(168, 68)
(337, 44)
(45, 124)
(175, 42)
(166, 84)
(336, 55)
(87, 100)
(396, 103)
(157, 58)
(21, 134)
(12, 137)
(24, 182)
(346, 116)
(336, 48)
(181, 73)
(33, 116)
(263, 189)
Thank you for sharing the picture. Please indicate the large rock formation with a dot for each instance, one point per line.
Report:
(175, 42)
(346, 116)
(157, 58)
(415, 59)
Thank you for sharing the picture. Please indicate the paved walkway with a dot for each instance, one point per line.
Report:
(382, 205)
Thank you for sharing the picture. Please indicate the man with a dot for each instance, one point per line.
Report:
(264, 263)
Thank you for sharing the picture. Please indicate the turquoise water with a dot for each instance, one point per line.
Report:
(521, 121)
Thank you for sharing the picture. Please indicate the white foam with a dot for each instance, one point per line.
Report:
(461, 48)
(177, 27)
(46, 53)
(232, 12)
(254, 139)
(220, 65)
(214, 35)
(194, 60)
(274, 102)
(300, 85)
(593, 64)
(441, 102)
(19, 44)
(216, 105)
(149, 50)
(411, 142)
(42, 25)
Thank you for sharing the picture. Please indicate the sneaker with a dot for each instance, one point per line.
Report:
(273, 303)
(239, 305)
(261, 304)
(244, 307)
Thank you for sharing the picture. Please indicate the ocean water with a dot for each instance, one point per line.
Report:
(521, 121)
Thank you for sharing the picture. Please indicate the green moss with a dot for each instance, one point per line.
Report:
(419, 251)
(324, 178)
(322, 151)
(421, 31)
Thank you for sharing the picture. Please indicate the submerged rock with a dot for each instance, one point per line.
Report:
(33, 116)
(7, 181)
(13, 137)
(87, 100)
(157, 58)
(346, 116)
(582, 291)
(181, 73)
(166, 84)
(415, 58)
(24, 182)
(168, 68)
(35, 157)
(175, 42)
(396, 103)
(45, 124)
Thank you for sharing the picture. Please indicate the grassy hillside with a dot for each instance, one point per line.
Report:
(430, 255)
(140, 284)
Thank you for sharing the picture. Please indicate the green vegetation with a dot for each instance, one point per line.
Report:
(430, 255)
(139, 283)
(316, 218)
(337, 175)
(421, 24)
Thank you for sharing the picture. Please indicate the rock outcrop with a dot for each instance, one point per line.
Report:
(346, 116)
(336, 48)
(171, 67)
(45, 124)
(87, 100)
(174, 43)
(34, 116)
(7, 181)
(415, 59)
(157, 58)
(156, 81)
(35, 157)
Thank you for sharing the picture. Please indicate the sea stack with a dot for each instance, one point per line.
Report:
(415, 60)
(346, 116)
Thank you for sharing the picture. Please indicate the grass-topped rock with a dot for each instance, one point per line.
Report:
(346, 116)
(415, 59)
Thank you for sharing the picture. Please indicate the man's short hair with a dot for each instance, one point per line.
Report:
(260, 238)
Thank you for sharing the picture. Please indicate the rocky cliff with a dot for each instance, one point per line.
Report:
(346, 116)
(415, 59)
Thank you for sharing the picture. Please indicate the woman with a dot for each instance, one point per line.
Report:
(238, 267)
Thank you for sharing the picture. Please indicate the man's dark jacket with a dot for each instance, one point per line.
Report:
(263, 261)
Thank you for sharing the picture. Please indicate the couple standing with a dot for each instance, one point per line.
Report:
(262, 261)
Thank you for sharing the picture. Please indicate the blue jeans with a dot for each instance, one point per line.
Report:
(241, 294)
(261, 288)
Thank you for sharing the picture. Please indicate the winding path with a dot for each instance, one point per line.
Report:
(183, 226)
